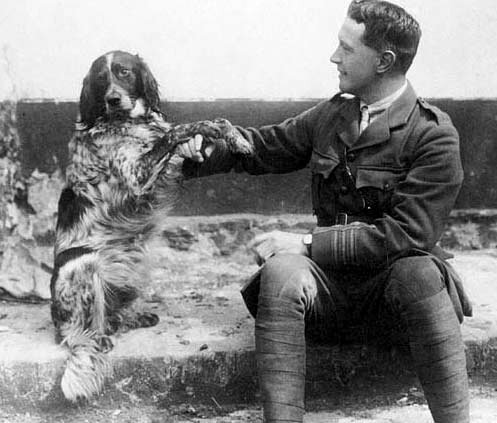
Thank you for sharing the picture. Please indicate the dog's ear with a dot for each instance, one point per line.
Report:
(149, 86)
(88, 106)
(85, 103)
(91, 99)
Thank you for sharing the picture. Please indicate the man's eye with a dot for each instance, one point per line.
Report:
(346, 47)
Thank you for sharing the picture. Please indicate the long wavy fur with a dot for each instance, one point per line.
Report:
(120, 184)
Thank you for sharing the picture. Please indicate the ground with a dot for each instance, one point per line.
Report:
(483, 410)
(206, 336)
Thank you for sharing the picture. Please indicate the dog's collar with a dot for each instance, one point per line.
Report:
(71, 254)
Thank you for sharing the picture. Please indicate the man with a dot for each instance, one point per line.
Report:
(385, 174)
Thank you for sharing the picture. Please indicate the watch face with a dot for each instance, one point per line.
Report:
(307, 239)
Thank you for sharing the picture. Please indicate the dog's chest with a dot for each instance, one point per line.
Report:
(113, 156)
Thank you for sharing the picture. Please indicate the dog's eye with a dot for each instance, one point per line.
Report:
(124, 72)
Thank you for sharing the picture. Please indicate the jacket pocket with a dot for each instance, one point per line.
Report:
(323, 163)
(385, 179)
(377, 188)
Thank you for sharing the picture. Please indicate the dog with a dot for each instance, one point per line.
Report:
(121, 180)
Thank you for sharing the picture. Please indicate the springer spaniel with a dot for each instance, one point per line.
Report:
(120, 182)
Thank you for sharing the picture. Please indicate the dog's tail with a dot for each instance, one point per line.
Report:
(86, 367)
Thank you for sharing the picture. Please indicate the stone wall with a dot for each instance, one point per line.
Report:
(33, 155)
(45, 128)
(26, 217)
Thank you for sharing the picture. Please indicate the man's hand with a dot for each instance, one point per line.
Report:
(192, 149)
(277, 242)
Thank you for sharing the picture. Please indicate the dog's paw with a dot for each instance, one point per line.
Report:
(216, 130)
(236, 143)
(206, 128)
(147, 319)
(105, 343)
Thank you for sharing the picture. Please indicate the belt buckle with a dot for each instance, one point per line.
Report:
(341, 219)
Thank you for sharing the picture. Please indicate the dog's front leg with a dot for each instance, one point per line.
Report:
(138, 165)
(218, 130)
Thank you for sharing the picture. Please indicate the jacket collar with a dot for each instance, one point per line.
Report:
(379, 130)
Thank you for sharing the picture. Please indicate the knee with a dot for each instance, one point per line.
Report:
(288, 277)
(413, 279)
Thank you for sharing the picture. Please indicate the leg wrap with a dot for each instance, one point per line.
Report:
(438, 353)
(280, 346)
(288, 290)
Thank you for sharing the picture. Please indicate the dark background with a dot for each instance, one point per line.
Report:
(46, 127)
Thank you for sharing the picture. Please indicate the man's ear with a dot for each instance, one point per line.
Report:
(386, 61)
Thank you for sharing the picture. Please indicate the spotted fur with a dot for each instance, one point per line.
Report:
(120, 183)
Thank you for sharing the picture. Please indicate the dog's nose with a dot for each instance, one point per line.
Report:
(113, 99)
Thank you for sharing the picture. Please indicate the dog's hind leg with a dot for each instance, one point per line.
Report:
(78, 309)
(128, 318)
(118, 299)
(140, 319)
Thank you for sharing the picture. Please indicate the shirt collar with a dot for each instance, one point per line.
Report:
(386, 102)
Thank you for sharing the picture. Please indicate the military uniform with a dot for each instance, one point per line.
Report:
(381, 198)
(377, 196)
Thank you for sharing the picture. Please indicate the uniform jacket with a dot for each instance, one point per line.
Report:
(397, 182)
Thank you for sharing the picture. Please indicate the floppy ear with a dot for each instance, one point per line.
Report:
(89, 107)
(149, 86)
(85, 103)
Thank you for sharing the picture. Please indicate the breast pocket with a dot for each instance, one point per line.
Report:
(380, 178)
(323, 163)
(377, 186)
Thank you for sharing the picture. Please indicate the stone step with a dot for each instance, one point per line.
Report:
(203, 346)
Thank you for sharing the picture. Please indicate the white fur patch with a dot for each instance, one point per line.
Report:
(86, 367)
(109, 58)
(139, 109)
(76, 264)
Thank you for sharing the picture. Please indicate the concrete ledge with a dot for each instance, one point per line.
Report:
(203, 346)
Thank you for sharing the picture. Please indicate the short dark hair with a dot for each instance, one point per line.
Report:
(388, 27)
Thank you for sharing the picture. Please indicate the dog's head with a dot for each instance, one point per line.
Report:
(119, 85)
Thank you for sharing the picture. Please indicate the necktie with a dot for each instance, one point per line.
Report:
(364, 119)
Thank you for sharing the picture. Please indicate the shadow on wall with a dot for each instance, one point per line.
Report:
(45, 128)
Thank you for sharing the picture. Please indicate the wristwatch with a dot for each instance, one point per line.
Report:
(307, 240)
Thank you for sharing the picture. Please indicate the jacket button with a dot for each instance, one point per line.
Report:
(351, 157)
(344, 189)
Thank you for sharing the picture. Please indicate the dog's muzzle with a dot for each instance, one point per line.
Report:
(113, 100)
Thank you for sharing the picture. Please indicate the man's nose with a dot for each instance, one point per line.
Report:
(334, 58)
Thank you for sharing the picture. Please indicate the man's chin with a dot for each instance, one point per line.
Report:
(342, 85)
(346, 88)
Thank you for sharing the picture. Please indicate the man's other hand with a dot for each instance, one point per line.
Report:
(277, 242)
(194, 149)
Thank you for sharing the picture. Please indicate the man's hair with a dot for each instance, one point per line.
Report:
(388, 27)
